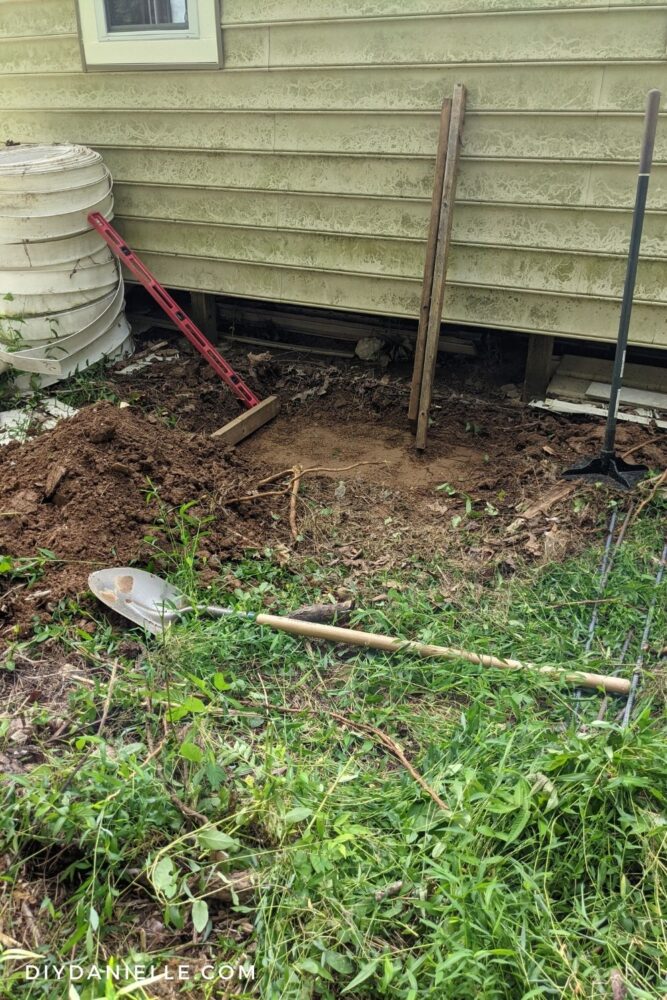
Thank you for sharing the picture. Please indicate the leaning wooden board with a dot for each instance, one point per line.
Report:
(247, 423)
(429, 261)
(441, 262)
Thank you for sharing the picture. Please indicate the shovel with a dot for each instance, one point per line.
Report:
(153, 603)
(608, 467)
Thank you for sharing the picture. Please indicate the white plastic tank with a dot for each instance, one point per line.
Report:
(61, 288)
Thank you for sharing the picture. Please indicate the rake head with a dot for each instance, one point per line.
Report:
(609, 470)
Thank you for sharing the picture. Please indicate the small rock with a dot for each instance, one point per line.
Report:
(369, 348)
(618, 988)
(120, 468)
(104, 432)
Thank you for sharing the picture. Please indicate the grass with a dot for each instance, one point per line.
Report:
(82, 388)
(205, 800)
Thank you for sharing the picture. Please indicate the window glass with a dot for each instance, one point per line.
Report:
(142, 15)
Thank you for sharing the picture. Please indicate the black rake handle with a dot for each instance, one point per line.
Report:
(645, 161)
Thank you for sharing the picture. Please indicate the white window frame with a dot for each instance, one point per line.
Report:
(197, 46)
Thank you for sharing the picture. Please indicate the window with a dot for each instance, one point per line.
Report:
(145, 15)
(149, 33)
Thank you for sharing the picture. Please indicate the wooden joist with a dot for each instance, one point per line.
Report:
(454, 340)
(280, 345)
(251, 319)
(539, 367)
(202, 308)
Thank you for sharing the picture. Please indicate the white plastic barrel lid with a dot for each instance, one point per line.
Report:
(28, 158)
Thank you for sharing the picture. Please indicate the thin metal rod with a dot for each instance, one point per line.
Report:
(605, 568)
(643, 649)
(648, 142)
(608, 557)
(626, 645)
(621, 660)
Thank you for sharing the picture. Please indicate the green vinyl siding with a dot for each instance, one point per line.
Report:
(302, 171)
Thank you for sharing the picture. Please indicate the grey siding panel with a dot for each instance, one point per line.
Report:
(302, 171)
(270, 11)
(557, 271)
(510, 182)
(502, 87)
(498, 136)
(602, 231)
(536, 37)
(20, 18)
(511, 309)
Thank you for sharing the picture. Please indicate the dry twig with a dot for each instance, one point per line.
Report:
(294, 492)
(187, 810)
(107, 700)
(32, 923)
(659, 481)
(363, 727)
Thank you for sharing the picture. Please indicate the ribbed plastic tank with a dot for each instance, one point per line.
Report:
(61, 289)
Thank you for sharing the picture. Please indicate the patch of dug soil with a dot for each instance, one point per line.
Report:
(90, 492)
(177, 384)
(487, 493)
(485, 461)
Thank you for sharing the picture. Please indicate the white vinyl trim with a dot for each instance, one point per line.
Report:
(196, 45)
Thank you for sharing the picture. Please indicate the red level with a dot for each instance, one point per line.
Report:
(174, 311)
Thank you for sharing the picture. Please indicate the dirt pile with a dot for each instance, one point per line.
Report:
(91, 490)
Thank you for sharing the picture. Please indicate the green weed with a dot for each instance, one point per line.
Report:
(224, 798)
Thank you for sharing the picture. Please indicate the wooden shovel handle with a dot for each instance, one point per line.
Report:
(392, 644)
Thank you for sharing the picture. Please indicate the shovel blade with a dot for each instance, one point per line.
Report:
(141, 597)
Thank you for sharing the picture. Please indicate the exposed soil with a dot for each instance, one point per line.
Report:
(90, 492)
(93, 490)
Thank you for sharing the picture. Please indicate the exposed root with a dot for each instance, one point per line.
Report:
(294, 492)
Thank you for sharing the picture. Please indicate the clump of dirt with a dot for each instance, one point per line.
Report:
(91, 490)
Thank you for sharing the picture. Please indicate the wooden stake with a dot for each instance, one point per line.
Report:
(441, 261)
(427, 286)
